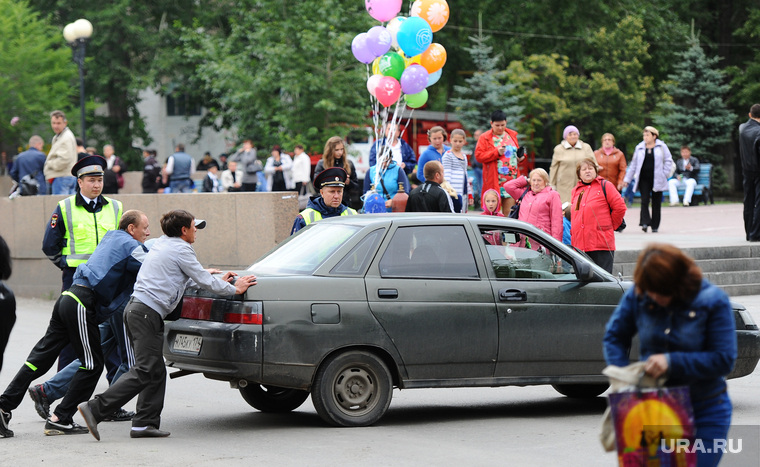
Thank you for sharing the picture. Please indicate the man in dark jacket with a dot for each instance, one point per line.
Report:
(430, 197)
(328, 203)
(687, 168)
(749, 147)
(31, 162)
(108, 274)
(151, 172)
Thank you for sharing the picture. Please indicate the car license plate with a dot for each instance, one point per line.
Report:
(187, 343)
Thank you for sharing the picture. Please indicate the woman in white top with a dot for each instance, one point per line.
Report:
(301, 167)
(455, 166)
(278, 171)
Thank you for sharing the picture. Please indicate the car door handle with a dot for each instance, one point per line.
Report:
(387, 293)
(513, 295)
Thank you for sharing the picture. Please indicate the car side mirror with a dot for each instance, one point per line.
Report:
(585, 272)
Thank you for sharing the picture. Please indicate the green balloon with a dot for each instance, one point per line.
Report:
(391, 64)
(414, 101)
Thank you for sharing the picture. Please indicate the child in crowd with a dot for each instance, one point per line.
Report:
(455, 166)
(566, 239)
(491, 203)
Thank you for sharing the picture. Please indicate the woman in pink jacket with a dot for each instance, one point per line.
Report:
(596, 211)
(541, 205)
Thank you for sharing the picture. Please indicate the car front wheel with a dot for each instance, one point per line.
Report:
(352, 389)
(273, 399)
(581, 391)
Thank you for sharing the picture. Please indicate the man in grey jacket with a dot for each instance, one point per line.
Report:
(169, 267)
(246, 157)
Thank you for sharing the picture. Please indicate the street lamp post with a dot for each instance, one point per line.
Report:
(77, 34)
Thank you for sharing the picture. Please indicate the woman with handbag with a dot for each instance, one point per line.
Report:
(596, 211)
(686, 332)
(650, 167)
(538, 203)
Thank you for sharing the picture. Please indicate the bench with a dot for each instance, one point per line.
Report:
(703, 190)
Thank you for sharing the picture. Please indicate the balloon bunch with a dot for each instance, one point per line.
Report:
(403, 55)
(404, 59)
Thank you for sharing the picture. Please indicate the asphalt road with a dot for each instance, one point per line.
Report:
(212, 425)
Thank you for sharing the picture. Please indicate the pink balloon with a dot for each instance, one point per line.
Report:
(372, 83)
(388, 90)
(383, 10)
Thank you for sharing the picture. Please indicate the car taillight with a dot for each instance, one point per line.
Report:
(244, 313)
(197, 308)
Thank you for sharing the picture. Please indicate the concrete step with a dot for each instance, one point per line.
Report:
(735, 269)
(748, 265)
(736, 290)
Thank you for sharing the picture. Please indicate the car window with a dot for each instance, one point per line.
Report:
(514, 255)
(303, 253)
(356, 261)
(439, 251)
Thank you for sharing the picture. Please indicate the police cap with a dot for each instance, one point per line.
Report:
(90, 165)
(334, 176)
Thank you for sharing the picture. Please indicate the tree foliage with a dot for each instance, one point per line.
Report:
(697, 115)
(36, 73)
(486, 90)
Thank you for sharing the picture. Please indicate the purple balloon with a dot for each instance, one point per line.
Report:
(379, 40)
(414, 79)
(361, 50)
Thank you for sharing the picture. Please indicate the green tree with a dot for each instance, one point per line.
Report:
(486, 90)
(697, 115)
(279, 79)
(36, 73)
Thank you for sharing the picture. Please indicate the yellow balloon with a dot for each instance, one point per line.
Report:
(376, 66)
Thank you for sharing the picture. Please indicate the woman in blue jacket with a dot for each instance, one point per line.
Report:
(687, 333)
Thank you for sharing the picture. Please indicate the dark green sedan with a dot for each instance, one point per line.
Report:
(351, 307)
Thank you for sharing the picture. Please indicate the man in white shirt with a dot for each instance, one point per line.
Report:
(62, 157)
(232, 178)
(301, 167)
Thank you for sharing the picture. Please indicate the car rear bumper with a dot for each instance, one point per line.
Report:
(228, 351)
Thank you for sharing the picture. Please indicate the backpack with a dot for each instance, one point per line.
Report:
(514, 213)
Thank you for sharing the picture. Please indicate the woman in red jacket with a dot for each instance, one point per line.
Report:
(597, 210)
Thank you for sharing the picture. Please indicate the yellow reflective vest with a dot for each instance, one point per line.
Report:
(312, 215)
(85, 229)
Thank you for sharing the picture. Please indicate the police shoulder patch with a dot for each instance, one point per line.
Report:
(54, 221)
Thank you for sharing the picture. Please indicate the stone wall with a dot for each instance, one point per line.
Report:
(241, 227)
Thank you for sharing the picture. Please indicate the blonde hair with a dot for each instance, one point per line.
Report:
(652, 130)
(459, 132)
(540, 172)
(610, 135)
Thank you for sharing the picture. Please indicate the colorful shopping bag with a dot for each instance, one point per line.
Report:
(653, 427)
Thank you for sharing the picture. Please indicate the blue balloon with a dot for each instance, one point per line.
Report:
(374, 203)
(414, 36)
(434, 77)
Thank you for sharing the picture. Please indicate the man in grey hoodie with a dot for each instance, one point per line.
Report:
(169, 267)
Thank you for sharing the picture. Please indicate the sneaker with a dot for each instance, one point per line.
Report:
(120, 415)
(41, 402)
(673, 204)
(686, 204)
(57, 428)
(5, 418)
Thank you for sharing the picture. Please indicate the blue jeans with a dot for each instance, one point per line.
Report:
(112, 337)
(628, 193)
(181, 186)
(712, 419)
(63, 186)
(477, 184)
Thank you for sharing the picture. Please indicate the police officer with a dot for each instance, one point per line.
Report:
(330, 183)
(79, 222)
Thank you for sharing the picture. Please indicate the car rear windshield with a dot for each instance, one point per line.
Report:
(304, 253)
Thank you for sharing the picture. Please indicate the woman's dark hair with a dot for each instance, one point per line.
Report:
(5, 260)
(666, 270)
(173, 221)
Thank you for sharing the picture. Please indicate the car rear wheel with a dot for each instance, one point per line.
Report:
(272, 398)
(581, 391)
(352, 389)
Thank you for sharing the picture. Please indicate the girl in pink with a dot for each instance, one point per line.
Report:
(491, 203)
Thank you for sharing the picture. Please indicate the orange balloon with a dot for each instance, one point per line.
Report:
(433, 58)
(435, 12)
